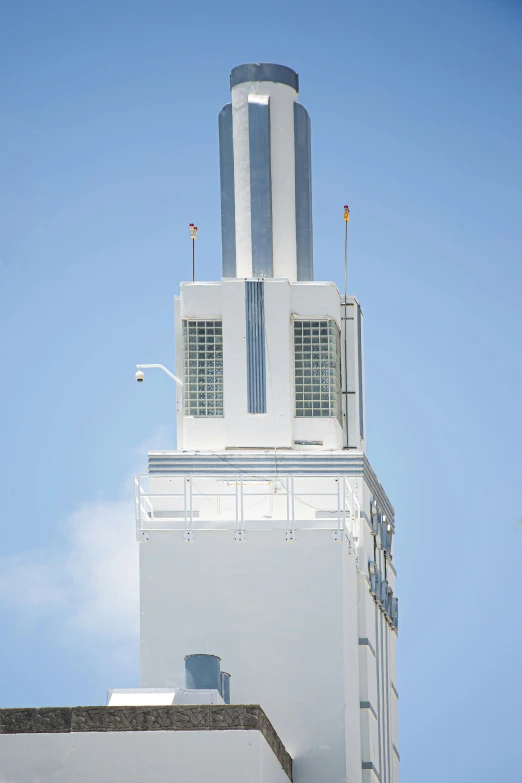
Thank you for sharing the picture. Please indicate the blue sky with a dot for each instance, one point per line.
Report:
(108, 149)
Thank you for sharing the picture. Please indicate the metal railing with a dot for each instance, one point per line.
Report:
(247, 502)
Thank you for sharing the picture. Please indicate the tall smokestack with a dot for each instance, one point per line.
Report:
(266, 192)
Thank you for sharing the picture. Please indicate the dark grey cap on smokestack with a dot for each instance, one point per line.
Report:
(264, 72)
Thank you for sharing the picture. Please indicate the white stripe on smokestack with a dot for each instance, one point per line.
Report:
(264, 161)
(260, 185)
(242, 180)
(282, 99)
(284, 253)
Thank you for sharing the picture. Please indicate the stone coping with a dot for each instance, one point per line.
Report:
(181, 717)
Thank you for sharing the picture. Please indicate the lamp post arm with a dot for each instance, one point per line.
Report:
(160, 367)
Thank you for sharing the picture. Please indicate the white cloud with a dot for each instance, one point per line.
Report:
(90, 584)
(102, 567)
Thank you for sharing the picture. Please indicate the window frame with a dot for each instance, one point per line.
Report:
(203, 368)
(323, 401)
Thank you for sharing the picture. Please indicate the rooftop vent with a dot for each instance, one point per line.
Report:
(225, 687)
(203, 672)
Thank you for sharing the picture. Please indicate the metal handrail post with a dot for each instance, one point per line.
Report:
(237, 502)
(343, 495)
(185, 479)
(241, 506)
(357, 524)
(190, 507)
(147, 500)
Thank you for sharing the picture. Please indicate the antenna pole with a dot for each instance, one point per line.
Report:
(345, 317)
(193, 235)
(346, 221)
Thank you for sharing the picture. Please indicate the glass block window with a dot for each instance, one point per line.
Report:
(317, 352)
(203, 367)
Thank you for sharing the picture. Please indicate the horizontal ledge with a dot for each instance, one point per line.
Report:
(369, 765)
(366, 705)
(364, 642)
(207, 717)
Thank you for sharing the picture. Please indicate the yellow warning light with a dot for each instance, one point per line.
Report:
(346, 213)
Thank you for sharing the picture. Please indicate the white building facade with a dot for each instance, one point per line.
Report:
(266, 538)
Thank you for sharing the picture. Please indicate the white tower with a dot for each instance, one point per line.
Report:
(266, 538)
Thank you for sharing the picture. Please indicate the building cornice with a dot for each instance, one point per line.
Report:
(271, 462)
(201, 717)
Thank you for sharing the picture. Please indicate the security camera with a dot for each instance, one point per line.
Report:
(140, 377)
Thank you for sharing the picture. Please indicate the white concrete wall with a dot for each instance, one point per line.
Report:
(368, 679)
(351, 670)
(278, 427)
(326, 430)
(377, 664)
(273, 428)
(201, 300)
(316, 300)
(139, 757)
(279, 362)
(369, 737)
(282, 617)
